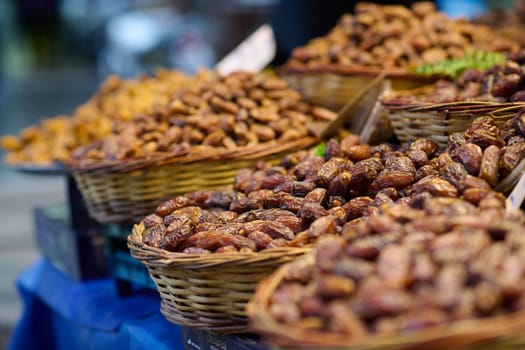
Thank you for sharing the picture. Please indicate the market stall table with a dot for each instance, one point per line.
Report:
(61, 313)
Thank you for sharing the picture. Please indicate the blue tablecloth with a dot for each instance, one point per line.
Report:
(61, 313)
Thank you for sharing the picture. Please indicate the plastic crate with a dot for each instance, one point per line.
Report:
(123, 268)
(78, 252)
(195, 339)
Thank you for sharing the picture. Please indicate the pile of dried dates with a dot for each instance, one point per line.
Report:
(214, 112)
(407, 269)
(500, 83)
(395, 37)
(116, 99)
(308, 196)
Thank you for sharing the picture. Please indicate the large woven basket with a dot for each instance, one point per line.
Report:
(333, 87)
(436, 121)
(124, 192)
(207, 291)
(496, 333)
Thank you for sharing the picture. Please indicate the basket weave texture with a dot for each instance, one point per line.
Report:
(124, 192)
(496, 333)
(436, 121)
(208, 291)
(333, 88)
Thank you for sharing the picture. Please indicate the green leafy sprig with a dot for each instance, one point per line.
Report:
(454, 67)
(320, 149)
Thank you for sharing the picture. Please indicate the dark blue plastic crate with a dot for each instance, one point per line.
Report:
(121, 265)
(77, 252)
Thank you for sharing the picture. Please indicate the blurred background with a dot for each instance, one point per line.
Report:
(54, 53)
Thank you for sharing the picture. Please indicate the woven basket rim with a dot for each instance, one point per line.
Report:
(408, 100)
(161, 257)
(459, 333)
(452, 107)
(189, 156)
(342, 70)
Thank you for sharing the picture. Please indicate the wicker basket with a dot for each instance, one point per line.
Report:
(207, 291)
(412, 120)
(496, 333)
(127, 191)
(333, 87)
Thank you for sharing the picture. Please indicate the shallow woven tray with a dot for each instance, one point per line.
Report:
(333, 86)
(207, 291)
(411, 120)
(495, 333)
(124, 192)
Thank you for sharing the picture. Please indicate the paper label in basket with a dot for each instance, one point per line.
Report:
(517, 195)
(252, 55)
(374, 117)
(356, 111)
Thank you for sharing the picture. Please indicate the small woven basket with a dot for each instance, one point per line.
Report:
(333, 87)
(207, 291)
(496, 333)
(124, 192)
(411, 120)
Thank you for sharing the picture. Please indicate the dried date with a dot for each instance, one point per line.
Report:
(382, 224)
(357, 152)
(489, 165)
(367, 247)
(518, 121)
(290, 203)
(363, 174)
(435, 186)
(355, 269)
(195, 250)
(470, 156)
(476, 182)
(317, 195)
(332, 150)
(260, 239)
(334, 286)
(295, 188)
(455, 141)
(512, 155)
(168, 206)
(314, 165)
(175, 234)
(375, 302)
(354, 208)
(341, 321)
(347, 143)
(399, 163)
(154, 235)
(425, 145)
(244, 204)
(456, 174)
(300, 271)
(219, 199)
(277, 230)
(213, 240)
(273, 180)
(329, 170)
(311, 306)
(425, 171)
(475, 195)
(484, 132)
(330, 249)
(323, 226)
(278, 243)
(339, 184)
(152, 220)
(394, 178)
(393, 265)
(418, 157)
